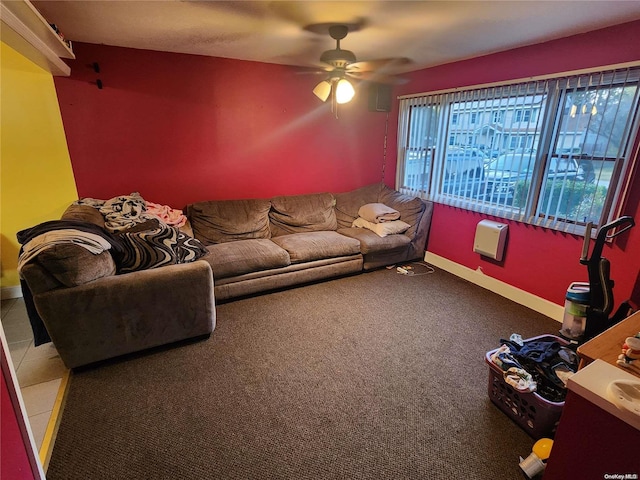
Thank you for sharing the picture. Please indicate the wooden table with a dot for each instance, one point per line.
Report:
(608, 345)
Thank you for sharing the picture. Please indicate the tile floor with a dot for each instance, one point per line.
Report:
(39, 369)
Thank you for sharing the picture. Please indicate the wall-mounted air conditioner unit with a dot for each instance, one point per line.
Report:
(490, 239)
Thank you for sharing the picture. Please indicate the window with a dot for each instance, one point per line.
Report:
(527, 115)
(550, 152)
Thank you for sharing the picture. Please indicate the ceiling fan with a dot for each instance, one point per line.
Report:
(342, 65)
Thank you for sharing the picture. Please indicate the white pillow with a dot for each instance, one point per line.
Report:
(382, 229)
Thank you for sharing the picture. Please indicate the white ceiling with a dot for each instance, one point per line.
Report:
(427, 32)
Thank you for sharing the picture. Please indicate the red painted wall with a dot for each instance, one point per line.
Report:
(537, 260)
(14, 460)
(182, 128)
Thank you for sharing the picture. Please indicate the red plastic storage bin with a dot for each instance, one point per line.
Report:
(536, 415)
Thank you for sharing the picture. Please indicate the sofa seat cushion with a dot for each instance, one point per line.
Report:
(306, 247)
(221, 221)
(370, 242)
(302, 213)
(229, 259)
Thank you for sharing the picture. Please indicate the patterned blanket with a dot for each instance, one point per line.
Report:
(126, 211)
(153, 244)
(121, 213)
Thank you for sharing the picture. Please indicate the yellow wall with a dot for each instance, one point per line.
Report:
(36, 179)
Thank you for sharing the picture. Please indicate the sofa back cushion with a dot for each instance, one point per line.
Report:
(73, 265)
(220, 221)
(410, 208)
(84, 213)
(348, 203)
(302, 213)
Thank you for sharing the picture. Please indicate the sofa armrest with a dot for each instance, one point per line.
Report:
(421, 236)
(120, 314)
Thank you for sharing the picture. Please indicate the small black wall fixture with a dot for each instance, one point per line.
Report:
(96, 68)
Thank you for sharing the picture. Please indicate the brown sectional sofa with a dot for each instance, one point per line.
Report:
(92, 313)
(258, 245)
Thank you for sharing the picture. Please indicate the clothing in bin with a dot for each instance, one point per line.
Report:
(540, 364)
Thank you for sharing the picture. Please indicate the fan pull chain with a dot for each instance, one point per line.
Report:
(334, 100)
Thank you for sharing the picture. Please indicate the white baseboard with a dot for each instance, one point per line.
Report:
(10, 292)
(540, 305)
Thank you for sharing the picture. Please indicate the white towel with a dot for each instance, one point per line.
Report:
(378, 213)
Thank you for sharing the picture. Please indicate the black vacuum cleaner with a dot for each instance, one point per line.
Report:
(589, 305)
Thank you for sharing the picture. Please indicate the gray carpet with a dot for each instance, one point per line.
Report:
(375, 376)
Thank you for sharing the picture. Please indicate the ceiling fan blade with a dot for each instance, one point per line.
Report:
(385, 64)
(377, 77)
(313, 70)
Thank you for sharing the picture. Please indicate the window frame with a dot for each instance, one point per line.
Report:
(551, 116)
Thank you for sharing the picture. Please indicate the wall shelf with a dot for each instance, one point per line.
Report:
(27, 32)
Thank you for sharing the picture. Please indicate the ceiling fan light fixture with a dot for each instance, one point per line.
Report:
(344, 91)
(338, 58)
(323, 90)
